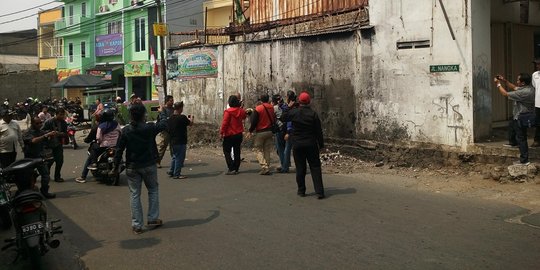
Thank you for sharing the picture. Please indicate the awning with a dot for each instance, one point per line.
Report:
(106, 90)
(81, 81)
(107, 67)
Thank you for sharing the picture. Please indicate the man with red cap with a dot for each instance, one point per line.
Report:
(307, 140)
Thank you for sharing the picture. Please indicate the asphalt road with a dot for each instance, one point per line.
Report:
(247, 221)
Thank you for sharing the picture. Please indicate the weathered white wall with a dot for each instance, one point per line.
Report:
(363, 87)
(427, 107)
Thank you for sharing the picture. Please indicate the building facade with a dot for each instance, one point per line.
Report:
(49, 47)
(111, 39)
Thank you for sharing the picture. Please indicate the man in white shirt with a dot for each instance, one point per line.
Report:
(10, 136)
(536, 85)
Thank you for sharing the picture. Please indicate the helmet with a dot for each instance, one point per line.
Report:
(107, 115)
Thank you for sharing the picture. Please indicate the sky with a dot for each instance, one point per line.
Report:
(23, 24)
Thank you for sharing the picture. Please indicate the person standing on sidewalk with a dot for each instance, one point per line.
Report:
(232, 132)
(536, 85)
(35, 144)
(523, 112)
(56, 143)
(164, 135)
(261, 123)
(10, 136)
(307, 141)
(177, 128)
(138, 139)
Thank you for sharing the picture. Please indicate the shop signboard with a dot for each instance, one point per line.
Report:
(137, 69)
(197, 63)
(103, 74)
(107, 45)
(65, 73)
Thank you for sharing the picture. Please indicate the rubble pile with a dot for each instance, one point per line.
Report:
(338, 163)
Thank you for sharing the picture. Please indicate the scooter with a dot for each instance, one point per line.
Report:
(104, 171)
(71, 130)
(33, 232)
(5, 198)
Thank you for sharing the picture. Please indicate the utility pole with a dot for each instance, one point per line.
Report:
(162, 50)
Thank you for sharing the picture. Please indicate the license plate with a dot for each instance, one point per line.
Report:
(32, 229)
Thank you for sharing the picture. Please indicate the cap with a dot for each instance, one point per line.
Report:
(304, 98)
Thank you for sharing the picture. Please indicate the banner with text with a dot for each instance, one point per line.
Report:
(107, 45)
(197, 63)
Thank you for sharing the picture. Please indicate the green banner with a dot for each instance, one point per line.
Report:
(197, 63)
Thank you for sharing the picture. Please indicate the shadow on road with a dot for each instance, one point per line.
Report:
(139, 243)
(190, 222)
(329, 192)
(72, 193)
(204, 175)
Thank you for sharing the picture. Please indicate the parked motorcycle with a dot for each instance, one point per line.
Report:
(104, 171)
(5, 198)
(33, 232)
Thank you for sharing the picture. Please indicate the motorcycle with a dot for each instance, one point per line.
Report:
(71, 130)
(104, 171)
(5, 198)
(33, 232)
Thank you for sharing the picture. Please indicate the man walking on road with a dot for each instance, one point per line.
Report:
(164, 135)
(261, 123)
(536, 85)
(10, 136)
(307, 140)
(139, 140)
(58, 124)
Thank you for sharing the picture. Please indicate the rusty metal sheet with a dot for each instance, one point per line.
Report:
(264, 11)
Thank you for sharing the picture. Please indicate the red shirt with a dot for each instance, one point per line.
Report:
(232, 123)
(264, 122)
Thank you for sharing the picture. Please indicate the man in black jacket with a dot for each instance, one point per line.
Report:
(307, 140)
(139, 140)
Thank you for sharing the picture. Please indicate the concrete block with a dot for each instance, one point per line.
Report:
(518, 170)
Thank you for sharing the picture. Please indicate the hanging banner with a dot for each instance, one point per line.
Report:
(107, 45)
(103, 74)
(197, 63)
(137, 69)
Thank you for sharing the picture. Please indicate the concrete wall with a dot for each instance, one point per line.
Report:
(19, 86)
(362, 86)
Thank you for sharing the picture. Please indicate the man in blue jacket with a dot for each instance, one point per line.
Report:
(139, 140)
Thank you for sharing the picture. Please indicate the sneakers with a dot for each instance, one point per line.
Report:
(265, 172)
(231, 173)
(180, 177)
(137, 231)
(155, 223)
(80, 180)
(92, 166)
(48, 195)
(519, 163)
(510, 145)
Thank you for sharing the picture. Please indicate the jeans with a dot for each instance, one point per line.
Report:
(311, 154)
(233, 160)
(178, 153)
(280, 148)
(58, 158)
(45, 177)
(85, 170)
(287, 155)
(135, 178)
(521, 137)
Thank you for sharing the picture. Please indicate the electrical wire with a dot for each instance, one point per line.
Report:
(21, 11)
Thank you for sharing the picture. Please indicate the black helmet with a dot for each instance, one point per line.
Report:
(107, 115)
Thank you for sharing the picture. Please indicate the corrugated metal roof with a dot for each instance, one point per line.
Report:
(263, 11)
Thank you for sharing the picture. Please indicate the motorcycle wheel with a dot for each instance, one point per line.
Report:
(34, 255)
(5, 218)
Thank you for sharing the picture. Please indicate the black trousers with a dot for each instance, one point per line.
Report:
(310, 154)
(7, 158)
(233, 142)
(537, 130)
(58, 158)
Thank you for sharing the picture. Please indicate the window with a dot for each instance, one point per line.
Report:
(140, 35)
(413, 44)
(114, 27)
(83, 9)
(59, 46)
(83, 49)
(70, 15)
(70, 52)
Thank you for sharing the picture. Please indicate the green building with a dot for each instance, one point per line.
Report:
(111, 39)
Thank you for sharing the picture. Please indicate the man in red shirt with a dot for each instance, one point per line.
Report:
(261, 123)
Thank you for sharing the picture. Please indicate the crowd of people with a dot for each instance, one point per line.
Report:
(279, 125)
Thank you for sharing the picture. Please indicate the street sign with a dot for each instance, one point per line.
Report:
(160, 29)
(444, 68)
